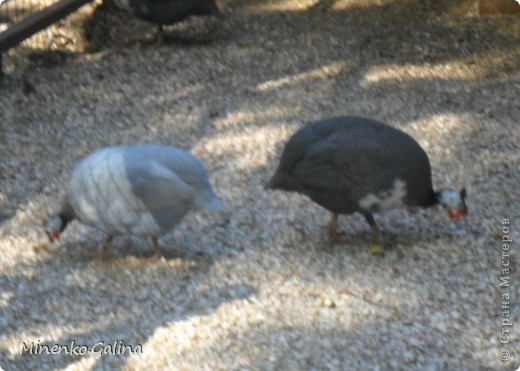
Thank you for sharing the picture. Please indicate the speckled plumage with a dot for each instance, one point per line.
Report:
(143, 190)
(166, 12)
(354, 164)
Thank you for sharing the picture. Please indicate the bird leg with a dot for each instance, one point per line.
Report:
(104, 247)
(157, 39)
(161, 35)
(156, 248)
(376, 232)
(332, 233)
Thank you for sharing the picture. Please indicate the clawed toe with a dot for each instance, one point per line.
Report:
(337, 238)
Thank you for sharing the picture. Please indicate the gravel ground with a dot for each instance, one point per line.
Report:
(265, 290)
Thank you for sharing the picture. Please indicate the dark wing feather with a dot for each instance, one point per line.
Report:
(342, 163)
(319, 169)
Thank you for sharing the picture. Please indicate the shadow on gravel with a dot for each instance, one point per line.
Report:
(366, 344)
(271, 71)
(357, 40)
(119, 302)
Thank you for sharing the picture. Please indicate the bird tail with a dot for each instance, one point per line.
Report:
(281, 181)
(209, 201)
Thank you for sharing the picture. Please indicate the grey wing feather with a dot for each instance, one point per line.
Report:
(158, 187)
(180, 162)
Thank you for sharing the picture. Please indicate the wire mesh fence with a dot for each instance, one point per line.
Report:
(27, 22)
(13, 11)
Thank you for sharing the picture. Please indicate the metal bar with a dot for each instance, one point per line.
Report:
(18, 32)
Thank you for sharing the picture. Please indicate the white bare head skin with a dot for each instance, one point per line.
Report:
(55, 225)
(454, 202)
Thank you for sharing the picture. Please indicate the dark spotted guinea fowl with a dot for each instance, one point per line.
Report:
(167, 12)
(143, 190)
(353, 164)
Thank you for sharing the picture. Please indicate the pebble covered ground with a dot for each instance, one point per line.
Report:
(261, 288)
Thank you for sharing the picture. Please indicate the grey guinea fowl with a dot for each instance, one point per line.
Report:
(143, 190)
(167, 12)
(354, 164)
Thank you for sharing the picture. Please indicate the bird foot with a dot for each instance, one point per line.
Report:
(156, 39)
(99, 255)
(157, 250)
(336, 237)
(154, 258)
(332, 233)
(102, 252)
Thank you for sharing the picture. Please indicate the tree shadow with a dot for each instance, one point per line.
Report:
(111, 302)
(234, 103)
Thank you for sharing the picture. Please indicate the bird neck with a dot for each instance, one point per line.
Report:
(66, 214)
(437, 196)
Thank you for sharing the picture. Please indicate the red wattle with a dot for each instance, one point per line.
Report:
(454, 214)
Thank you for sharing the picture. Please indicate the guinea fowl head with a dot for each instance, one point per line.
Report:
(55, 225)
(453, 201)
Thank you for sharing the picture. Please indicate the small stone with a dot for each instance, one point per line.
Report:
(328, 303)
(441, 326)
